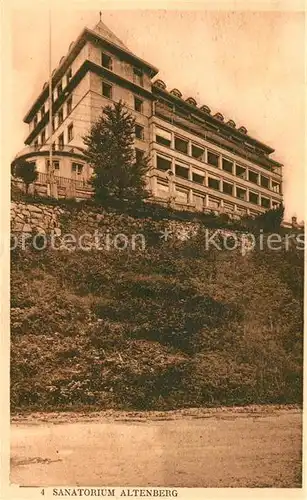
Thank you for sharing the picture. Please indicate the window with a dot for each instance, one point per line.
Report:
(227, 188)
(265, 202)
(53, 124)
(253, 177)
(69, 106)
(240, 172)
(61, 141)
(163, 137)
(275, 204)
(198, 178)
(70, 132)
(264, 181)
(241, 193)
(139, 155)
(253, 197)
(227, 165)
(182, 171)
(213, 183)
(60, 116)
(53, 146)
(106, 61)
(43, 137)
(139, 132)
(36, 144)
(198, 152)
(77, 168)
(55, 163)
(68, 76)
(138, 104)
(163, 164)
(138, 76)
(107, 90)
(276, 187)
(59, 89)
(181, 145)
(35, 120)
(213, 159)
(43, 111)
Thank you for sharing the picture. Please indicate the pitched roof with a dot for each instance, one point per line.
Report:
(102, 30)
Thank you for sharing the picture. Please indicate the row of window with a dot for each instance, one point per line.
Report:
(228, 188)
(70, 136)
(60, 118)
(56, 94)
(75, 167)
(214, 159)
(202, 202)
(106, 62)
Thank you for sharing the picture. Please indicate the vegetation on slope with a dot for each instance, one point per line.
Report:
(169, 326)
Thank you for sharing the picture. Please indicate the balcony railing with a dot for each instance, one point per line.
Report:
(43, 178)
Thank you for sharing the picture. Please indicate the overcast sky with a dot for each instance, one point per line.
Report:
(247, 65)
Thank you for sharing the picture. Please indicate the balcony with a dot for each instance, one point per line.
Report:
(45, 148)
(206, 132)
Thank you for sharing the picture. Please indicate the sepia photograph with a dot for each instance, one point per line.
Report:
(156, 248)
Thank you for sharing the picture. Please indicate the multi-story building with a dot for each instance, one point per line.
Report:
(198, 160)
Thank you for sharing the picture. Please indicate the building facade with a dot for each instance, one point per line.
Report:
(199, 161)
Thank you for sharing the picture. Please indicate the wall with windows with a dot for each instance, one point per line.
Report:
(98, 101)
(203, 167)
(104, 57)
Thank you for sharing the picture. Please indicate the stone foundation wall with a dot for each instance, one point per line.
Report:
(27, 218)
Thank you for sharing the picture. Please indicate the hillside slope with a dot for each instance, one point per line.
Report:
(168, 326)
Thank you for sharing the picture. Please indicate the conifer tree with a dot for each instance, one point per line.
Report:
(119, 174)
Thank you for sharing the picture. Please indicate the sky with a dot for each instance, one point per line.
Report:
(246, 64)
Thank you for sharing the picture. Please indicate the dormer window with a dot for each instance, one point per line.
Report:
(138, 76)
(205, 109)
(106, 61)
(176, 93)
(191, 100)
(219, 117)
(231, 123)
(43, 111)
(35, 120)
(160, 84)
(243, 130)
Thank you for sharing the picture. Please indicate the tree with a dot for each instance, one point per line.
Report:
(119, 173)
(26, 171)
(270, 221)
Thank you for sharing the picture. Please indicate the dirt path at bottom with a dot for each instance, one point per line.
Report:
(250, 447)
